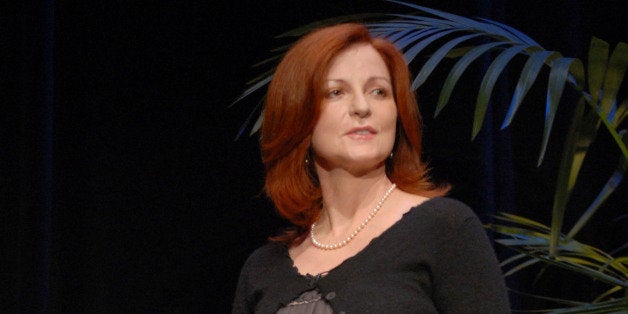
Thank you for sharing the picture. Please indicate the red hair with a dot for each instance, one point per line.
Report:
(292, 110)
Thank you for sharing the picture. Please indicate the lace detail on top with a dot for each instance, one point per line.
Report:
(310, 302)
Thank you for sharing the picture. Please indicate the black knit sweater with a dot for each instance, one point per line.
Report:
(436, 259)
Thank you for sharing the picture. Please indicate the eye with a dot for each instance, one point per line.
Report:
(334, 93)
(380, 92)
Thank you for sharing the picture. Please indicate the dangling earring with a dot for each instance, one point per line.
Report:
(389, 162)
(308, 155)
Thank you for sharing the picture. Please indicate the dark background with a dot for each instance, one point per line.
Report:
(123, 189)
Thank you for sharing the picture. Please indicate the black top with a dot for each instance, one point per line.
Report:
(436, 259)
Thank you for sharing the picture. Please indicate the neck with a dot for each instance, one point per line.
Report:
(347, 199)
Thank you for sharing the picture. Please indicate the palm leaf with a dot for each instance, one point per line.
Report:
(253, 88)
(457, 70)
(521, 37)
(267, 61)
(581, 136)
(528, 76)
(520, 236)
(248, 121)
(395, 35)
(257, 79)
(533, 238)
(621, 113)
(426, 21)
(258, 123)
(433, 61)
(614, 75)
(556, 85)
(545, 298)
(579, 261)
(611, 306)
(610, 114)
(261, 83)
(522, 221)
(403, 42)
(563, 186)
(607, 294)
(488, 82)
(411, 53)
(598, 59)
(512, 259)
(521, 266)
(460, 52)
(461, 21)
(587, 271)
(613, 132)
(608, 188)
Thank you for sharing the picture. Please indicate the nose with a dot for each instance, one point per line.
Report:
(360, 107)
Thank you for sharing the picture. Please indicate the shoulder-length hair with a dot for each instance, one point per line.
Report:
(292, 109)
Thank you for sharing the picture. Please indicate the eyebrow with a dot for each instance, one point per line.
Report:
(369, 80)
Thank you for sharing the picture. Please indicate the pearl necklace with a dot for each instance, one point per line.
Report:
(355, 232)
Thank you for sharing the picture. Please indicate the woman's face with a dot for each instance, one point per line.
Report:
(356, 127)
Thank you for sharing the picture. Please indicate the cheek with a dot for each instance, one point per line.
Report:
(391, 117)
(394, 117)
(329, 122)
(390, 124)
(323, 131)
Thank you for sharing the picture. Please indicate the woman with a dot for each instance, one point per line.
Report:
(341, 143)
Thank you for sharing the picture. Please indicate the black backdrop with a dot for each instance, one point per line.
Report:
(123, 188)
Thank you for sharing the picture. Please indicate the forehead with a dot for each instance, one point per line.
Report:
(358, 59)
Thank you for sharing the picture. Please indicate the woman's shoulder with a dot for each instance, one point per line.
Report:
(442, 211)
(447, 204)
(266, 256)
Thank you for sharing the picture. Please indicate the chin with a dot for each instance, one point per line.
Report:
(365, 162)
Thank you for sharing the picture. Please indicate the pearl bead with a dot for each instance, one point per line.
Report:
(356, 231)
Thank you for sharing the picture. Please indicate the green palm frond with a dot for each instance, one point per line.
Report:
(621, 114)
(558, 76)
(612, 306)
(530, 71)
(532, 240)
(439, 55)
(610, 186)
(488, 82)
(598, 60)
(614, 76)
(457, 71)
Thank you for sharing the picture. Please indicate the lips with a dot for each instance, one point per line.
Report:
(366, 132)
